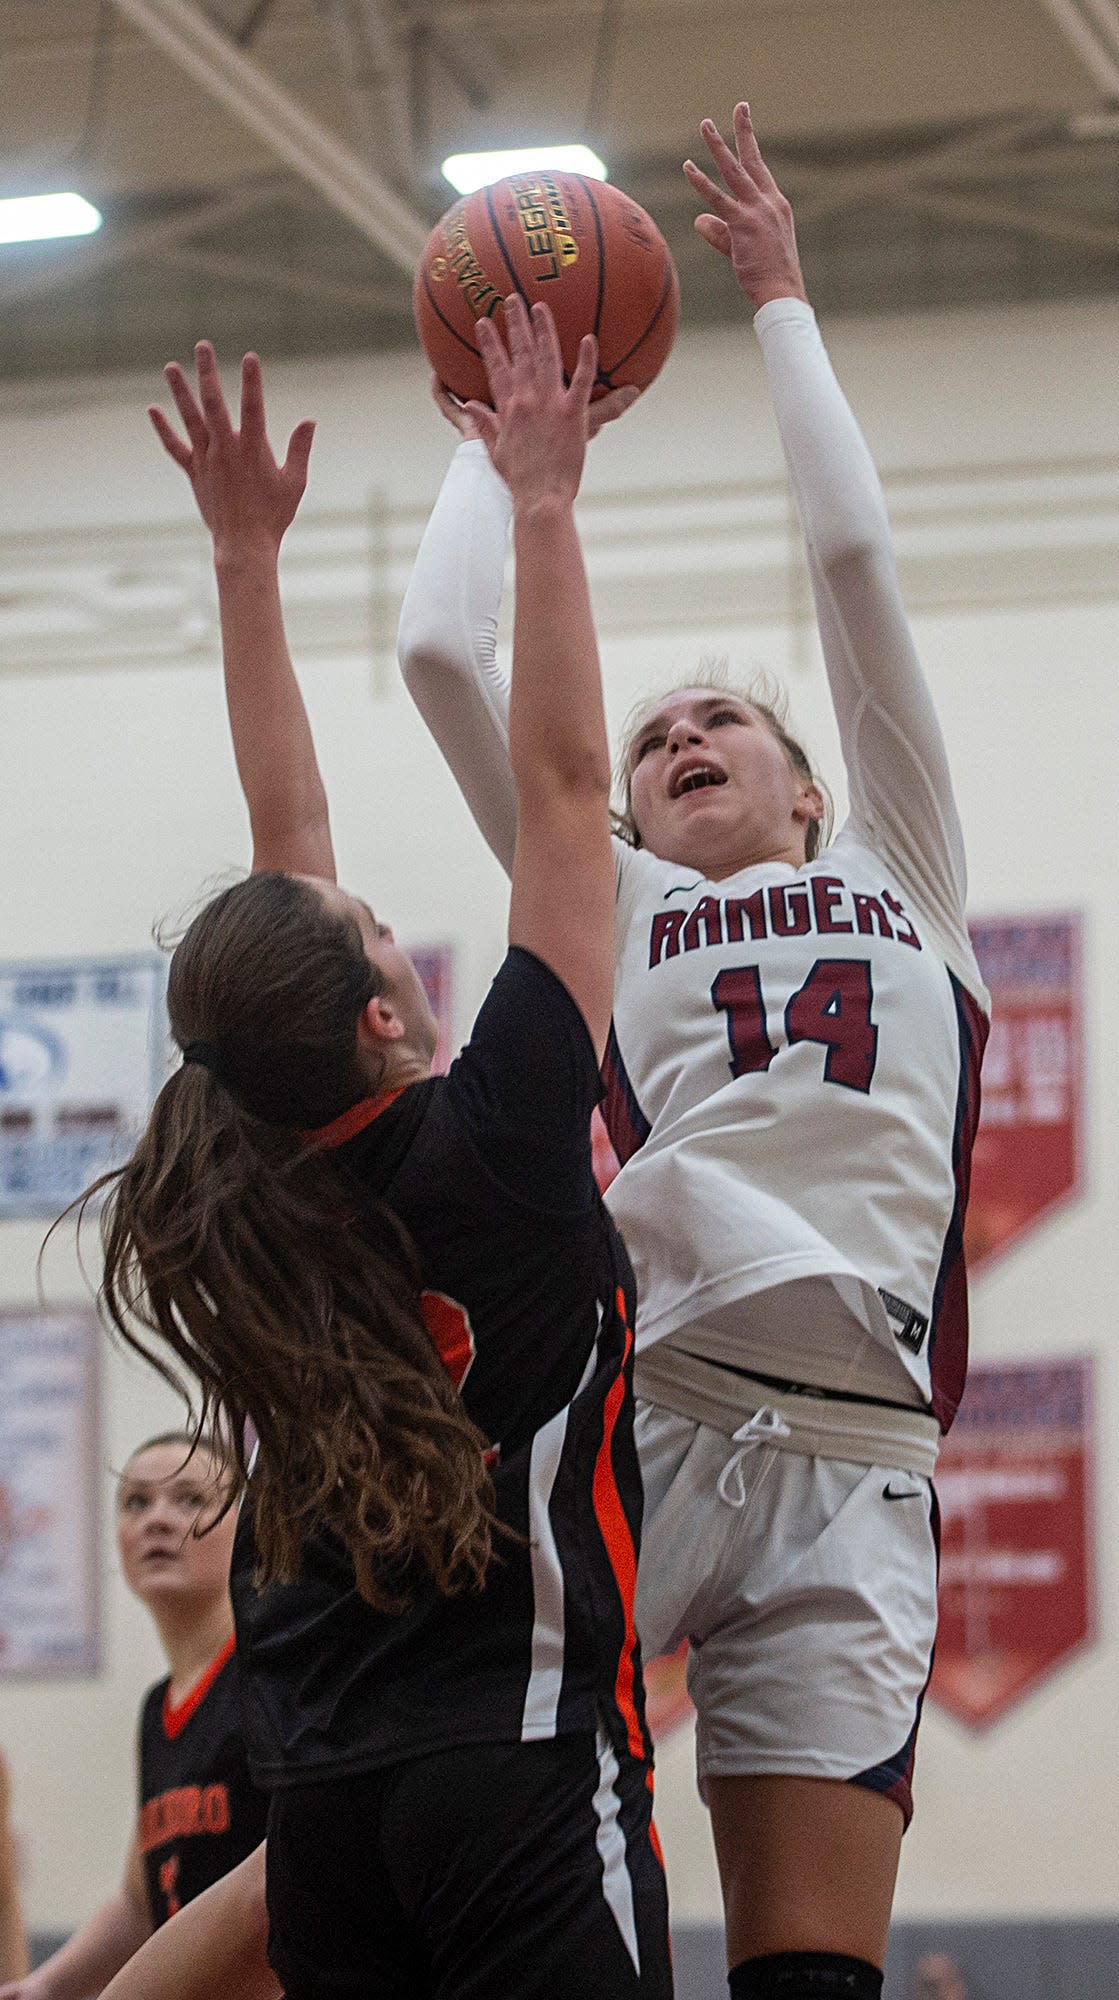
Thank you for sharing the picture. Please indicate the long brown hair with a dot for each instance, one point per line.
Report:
(290, 1298)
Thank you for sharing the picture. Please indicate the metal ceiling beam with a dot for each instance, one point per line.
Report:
(281, 123)
(376, 83)
(1097, 48)
(1003, 215)
(377, 300)
(94, 254)
(957, 154)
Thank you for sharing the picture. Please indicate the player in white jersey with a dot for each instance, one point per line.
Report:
(792, 1085)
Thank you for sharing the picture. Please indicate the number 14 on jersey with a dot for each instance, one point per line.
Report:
(833, 1008)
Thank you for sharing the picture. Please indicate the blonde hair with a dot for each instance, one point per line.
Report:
(768, 699)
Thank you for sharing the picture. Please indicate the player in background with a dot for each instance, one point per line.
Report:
(13, 1937)
(433, 1584)
(200, 1814)
(792, 1087)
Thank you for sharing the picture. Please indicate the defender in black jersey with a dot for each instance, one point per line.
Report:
(410, 1287)
(200, 1814)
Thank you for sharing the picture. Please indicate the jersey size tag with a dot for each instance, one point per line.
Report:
(907, 1324)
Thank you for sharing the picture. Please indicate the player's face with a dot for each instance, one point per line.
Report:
(403, 989)
(164, 1499)
(712, 787)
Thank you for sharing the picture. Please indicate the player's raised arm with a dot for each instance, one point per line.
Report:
(892, 744)
(562, 901)
(248, 502)
(447, 643)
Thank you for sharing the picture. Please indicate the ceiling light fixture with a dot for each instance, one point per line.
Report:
(467, 171)
(33, 218)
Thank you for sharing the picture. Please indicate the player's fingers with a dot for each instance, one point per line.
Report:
(252, 401)
(586, 368)
(716, 232)
(193, 420)
(484, 423)
(749, 152)
(709, 191)
(728, 162)
(495, 360)
(614, 404)
(447, 405)
(549, 360)
(299, 451)
(518, 333)
(210, 391)
(172, 443)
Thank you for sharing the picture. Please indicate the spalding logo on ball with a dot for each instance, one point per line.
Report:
(582, 246)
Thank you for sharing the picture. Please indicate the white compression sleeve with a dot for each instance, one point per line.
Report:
(447, 641)
(897, 767)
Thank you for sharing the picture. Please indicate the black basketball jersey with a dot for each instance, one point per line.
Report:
(200, 1813)
(528, 1295)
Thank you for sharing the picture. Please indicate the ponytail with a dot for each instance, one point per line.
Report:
(289, 1299)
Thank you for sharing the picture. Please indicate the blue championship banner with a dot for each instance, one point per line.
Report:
(83, 1051)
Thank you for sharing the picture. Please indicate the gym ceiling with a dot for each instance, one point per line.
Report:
(268, 169)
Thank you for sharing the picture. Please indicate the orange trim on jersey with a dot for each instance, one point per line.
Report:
(176, 1716)
(619, 1545)
(351, 1122)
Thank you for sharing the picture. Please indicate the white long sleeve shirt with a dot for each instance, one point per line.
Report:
(792, 1077)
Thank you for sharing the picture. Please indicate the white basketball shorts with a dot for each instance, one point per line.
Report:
(806, 1588)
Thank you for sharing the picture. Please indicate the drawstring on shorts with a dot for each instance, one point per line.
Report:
(764, 1425)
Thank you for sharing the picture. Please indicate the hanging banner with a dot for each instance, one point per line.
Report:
(83, 1051)
(49, 1498)
(1017, 1568)
(1027, 1156)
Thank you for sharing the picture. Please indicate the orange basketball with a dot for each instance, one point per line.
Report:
(583, 246)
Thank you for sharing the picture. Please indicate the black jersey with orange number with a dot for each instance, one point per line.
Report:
(529, 1298)
(200, 1812)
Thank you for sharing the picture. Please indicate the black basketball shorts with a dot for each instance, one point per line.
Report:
(519, 1871)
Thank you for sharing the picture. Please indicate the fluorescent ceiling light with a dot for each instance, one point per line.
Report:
(30, 218)
(467, 171)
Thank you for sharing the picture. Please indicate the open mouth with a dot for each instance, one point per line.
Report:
(697, 779)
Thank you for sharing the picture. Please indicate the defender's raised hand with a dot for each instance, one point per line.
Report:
(750, 220)
(245, 498)
(604, 410)
(536, 433)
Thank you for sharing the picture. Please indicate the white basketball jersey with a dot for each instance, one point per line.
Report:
(793, 1077)
(792, 1086)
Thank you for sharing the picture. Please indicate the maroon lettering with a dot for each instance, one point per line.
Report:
(833, 1008)
(788, 909)
(907, 935)
(737, 993)
(708, 916)
(870, 917)
(664, 939)
(827, 891)
(748, 910)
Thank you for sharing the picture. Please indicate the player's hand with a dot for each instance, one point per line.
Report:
(246, 500)
(606, 410)
(536, 432)
(750, 220)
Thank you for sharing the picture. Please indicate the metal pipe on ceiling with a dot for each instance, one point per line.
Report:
(281, 123)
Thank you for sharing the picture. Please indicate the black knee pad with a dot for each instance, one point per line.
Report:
(805, 1975)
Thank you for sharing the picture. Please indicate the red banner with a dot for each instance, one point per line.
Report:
(1017, 1560)
(1027, 1149)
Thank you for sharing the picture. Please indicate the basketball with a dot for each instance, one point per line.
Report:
(583, 247)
